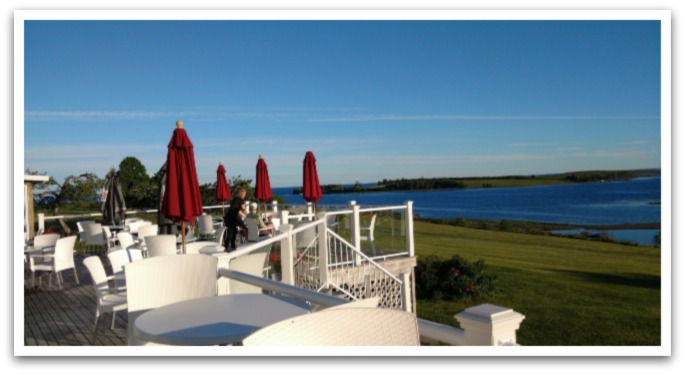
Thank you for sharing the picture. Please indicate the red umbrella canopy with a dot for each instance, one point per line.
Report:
(263, 187)
(223, 192)
(311, 189)
(182, 201)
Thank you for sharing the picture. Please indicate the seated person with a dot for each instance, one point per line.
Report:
(260, 222)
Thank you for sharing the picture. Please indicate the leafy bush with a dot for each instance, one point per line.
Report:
(452, 279)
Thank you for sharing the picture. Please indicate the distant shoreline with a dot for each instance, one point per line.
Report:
(447, 184)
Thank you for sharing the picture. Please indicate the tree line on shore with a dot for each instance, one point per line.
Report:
(445, 183)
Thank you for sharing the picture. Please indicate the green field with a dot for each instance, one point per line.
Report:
(572, 292)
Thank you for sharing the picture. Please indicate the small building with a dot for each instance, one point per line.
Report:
(29, 213)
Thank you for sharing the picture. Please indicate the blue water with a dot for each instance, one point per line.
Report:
(617, 202)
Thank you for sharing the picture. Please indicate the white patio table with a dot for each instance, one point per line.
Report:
(216, 320)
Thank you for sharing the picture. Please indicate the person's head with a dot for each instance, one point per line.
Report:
(253, 207)
(241, 192)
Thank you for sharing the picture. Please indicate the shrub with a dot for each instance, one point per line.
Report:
(452, 279)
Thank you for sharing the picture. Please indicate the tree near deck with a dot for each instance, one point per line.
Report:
(137, 186)
(77, 189)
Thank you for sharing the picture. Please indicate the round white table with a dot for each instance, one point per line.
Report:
(216, 320)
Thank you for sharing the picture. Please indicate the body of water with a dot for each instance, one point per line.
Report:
(616, 202)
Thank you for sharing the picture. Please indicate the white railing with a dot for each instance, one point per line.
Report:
(342, 266)
(483, 325)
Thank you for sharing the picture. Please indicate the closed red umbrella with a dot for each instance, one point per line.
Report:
(223, 192)
(263, 186)
(182, 202)
(311, 189)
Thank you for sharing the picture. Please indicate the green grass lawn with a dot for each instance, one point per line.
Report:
(572, 292)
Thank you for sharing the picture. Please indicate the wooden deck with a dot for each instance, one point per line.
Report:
(54, 317)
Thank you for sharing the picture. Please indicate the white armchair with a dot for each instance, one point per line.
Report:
(62, 259)
(109, 299)
(341, 327)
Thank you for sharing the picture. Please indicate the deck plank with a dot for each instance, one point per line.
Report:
(64, 317)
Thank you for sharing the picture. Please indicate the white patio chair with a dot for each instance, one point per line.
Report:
(253, 264)
(161, 245)
(81, 225)
(62, 259)
(109, 299)
(42, 244)
(368, 229)
(135, 226)
(159, 281)
(110, 237)
(371, 302)
(146, 231)
(121, 257)
(341, 327)
(125, 240)
(205, 226)
(95, 238)
(129, 221)
(45, 241)
(254, 232)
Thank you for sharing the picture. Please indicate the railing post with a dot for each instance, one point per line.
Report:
(410, 227)
(310, 216)
(354, 230)
(406, 292)
(274, 206)
(287, 255)
(41, 222)
(489, 324)
(284, 217)
(323, 249)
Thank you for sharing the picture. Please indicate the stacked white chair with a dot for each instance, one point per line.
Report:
(159, 281)
(62, 259)
(341, 327)
(205, 226)
(109, 299)
(95, 238)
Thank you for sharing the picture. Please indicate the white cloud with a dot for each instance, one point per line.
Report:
(428, 117)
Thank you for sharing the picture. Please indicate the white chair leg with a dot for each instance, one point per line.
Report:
(95, 326)
(50, 279)
(58, 278)
(76, 277)
(33, 279)
(114, 316)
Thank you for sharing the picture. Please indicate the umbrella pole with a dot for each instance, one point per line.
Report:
(183, 237)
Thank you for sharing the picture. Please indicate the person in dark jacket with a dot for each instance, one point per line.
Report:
(233, 220)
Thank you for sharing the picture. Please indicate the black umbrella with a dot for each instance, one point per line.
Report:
(166, 226)
(113, 207)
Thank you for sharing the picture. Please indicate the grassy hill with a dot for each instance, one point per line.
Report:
(572, 292)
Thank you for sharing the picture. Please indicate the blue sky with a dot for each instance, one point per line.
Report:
(371, 99)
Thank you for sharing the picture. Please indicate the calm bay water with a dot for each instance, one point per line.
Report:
(616, 202)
